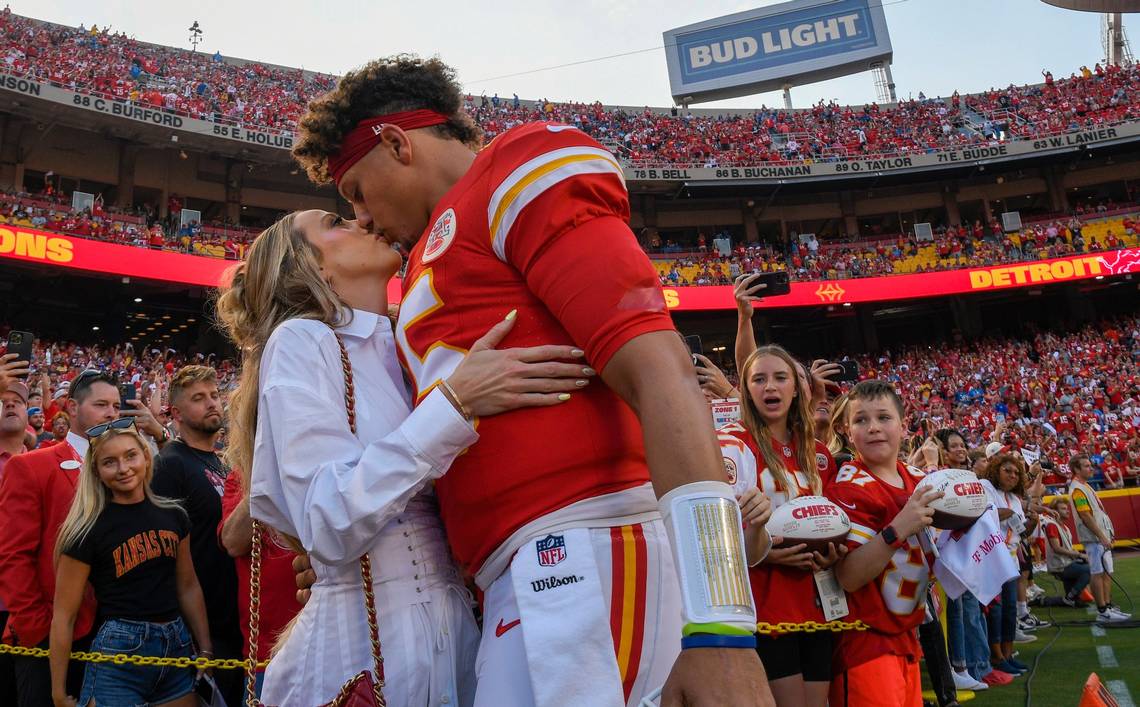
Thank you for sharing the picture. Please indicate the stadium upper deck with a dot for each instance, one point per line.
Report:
(159, 83)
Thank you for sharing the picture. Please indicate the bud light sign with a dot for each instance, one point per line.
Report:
(791, 43)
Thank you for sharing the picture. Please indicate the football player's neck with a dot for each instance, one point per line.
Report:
(450, 160)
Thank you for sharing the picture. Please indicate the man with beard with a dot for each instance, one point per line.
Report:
(190, 471)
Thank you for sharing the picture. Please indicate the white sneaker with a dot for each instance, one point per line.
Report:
(1029, 622)
(1039, 568)
(1115, 614)
(1034, 592)
(964, 681)
(1023, 637)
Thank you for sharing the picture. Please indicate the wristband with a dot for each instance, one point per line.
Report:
(704, 640)
(705, 531)
(715, 629)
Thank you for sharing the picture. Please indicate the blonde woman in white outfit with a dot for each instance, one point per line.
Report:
(341, 495)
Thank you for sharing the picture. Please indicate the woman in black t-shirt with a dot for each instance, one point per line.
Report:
(134, 548)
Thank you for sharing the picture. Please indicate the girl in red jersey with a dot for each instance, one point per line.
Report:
(771, 457)
(886, 574)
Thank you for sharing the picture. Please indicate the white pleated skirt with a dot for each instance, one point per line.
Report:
(428, 639)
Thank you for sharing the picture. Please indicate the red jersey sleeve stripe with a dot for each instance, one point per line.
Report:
(530, 180)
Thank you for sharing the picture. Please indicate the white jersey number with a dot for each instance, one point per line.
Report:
(439, 360)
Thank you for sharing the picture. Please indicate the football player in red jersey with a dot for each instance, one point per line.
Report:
(772, 451)
(555, 516)
(886, 574)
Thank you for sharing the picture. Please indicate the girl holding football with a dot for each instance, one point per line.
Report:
(771, 457)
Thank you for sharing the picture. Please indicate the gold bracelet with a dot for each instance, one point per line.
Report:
(453, 398)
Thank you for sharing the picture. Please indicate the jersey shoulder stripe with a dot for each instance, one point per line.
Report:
(531, 179)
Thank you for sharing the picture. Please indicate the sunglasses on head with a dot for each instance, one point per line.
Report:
(121, 424)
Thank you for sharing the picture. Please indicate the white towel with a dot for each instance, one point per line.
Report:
(565, 624)
(976, 560)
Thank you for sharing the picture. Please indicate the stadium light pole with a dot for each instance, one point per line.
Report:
(195, 35)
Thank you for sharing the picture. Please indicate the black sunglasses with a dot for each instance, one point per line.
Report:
(121, 424)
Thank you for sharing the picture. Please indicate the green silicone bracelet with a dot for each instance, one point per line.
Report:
(715, 629)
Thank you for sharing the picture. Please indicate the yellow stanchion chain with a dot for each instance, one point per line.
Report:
(122, 659)
(811, 627)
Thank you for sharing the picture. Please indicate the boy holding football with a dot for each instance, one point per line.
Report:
(886, 573)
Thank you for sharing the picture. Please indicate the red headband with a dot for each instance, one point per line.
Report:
(361, 139)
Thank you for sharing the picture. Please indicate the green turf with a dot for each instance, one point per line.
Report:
(1063, 668)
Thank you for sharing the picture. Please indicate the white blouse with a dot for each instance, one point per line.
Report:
(315, 480)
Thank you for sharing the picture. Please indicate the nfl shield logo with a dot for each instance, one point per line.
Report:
(551, 550)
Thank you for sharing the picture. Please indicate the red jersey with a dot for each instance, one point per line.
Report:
(894, 603)
(781, 593)
(538, 224)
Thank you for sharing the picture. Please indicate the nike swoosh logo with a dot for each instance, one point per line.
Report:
(850, 506)
(503, 628)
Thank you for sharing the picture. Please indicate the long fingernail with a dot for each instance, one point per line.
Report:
(512, 314)
(564, 397)
(587, 371)
(577, 353)
(581, 384)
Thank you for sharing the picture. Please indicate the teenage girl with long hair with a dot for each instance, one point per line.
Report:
(134, 548)
(772, 452)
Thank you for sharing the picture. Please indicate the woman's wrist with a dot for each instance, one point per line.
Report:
(453, 397)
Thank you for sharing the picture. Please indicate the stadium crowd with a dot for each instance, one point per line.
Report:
(141, 227)
(210, 87)
(951, 248)
(196, 85)
(1038, 402)
(130, 529)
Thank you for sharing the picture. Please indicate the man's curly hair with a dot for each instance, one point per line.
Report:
(387, 85)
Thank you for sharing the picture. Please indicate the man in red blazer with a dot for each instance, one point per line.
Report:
(35, 495)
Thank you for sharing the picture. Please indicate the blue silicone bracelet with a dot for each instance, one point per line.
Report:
(708, 640)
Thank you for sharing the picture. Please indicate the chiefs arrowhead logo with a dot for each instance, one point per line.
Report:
(441, 235)
(830, 292)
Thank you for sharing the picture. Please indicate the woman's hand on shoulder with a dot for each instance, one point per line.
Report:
(490, 381)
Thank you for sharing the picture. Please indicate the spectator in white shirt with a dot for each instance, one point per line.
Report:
(310, 280)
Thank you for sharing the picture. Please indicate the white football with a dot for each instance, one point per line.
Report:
(811, 520)
(964, 499)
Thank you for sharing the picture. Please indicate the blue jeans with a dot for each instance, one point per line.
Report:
(955, 633)
(975, 635)
(1002, 618)
(110, 684)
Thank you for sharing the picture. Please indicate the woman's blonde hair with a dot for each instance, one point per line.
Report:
(280, 280)
(800, 424)
(92, 495)
(836, 440)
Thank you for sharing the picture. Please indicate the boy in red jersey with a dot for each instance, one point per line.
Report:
(553, 513)
(886, 573)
